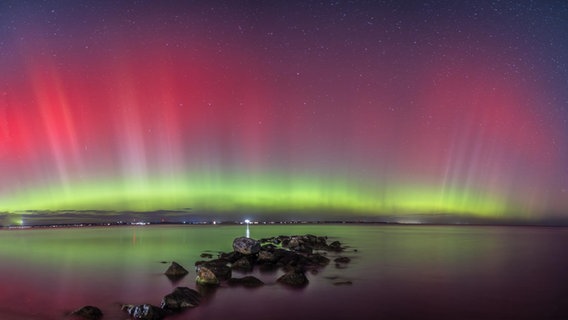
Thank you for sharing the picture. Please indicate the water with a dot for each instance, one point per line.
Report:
(398, 272)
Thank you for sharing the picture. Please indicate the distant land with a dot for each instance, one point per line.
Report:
(82, 218)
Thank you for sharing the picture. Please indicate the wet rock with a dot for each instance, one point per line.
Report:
(216, 262)
(248, 281)
(265, 256)
(246, 245)
(294, 278)
(294, 243)
(181, 298)
(206, 277)
(222, 272)
(342, 260)
(175, 270)
(318, 260)
(335, 246)
(230, 256)
(88, 313)
(144, 312)
(243, 264)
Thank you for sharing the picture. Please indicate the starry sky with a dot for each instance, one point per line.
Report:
(407, 111)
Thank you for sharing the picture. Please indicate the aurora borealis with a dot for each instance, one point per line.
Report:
(286, 108)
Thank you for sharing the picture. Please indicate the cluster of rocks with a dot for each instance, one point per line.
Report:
(295, 255)
(180, 299)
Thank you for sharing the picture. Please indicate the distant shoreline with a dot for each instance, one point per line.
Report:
(261, 223)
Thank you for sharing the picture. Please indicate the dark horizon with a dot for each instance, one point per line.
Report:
(39, 218)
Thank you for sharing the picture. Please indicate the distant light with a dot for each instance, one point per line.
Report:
(247, 221)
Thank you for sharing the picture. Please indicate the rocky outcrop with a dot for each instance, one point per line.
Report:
(144, 312)
(181, 298)
(295, 255)
(88, 313)
(246, 245)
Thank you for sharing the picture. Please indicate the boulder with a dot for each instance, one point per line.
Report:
(181, 298)
(242, 264)
(175, 270)
(88, 313)
(294, 243)
(294, 278)
(145, 312)
(246, 245)
(206, 277)
(248, 281)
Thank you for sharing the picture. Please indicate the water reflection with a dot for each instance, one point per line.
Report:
(419, 271)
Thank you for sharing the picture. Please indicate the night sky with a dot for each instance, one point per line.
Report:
(388, 110)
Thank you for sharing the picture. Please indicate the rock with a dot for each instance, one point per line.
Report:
(294, 278)
(145, 312)
(176, 270)
(248, 281)
(181, 298)
(246, 245)
(242, 264)
(342, 260)
(88, 313)
(265, 256)
(211, 263)
(230, 256)
(318, 260)
(294, 243)
(206, 277)
(335, 246)
(222, 272)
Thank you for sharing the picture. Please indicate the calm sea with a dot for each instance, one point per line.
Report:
(397, 272)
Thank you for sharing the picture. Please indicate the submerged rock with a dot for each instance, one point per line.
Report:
(246, 245)
(88, 313)
(294, 278)
(181, 298)
(248, 281)
(176, 270)
(145, 311)
(342, 260)
(335, 246)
